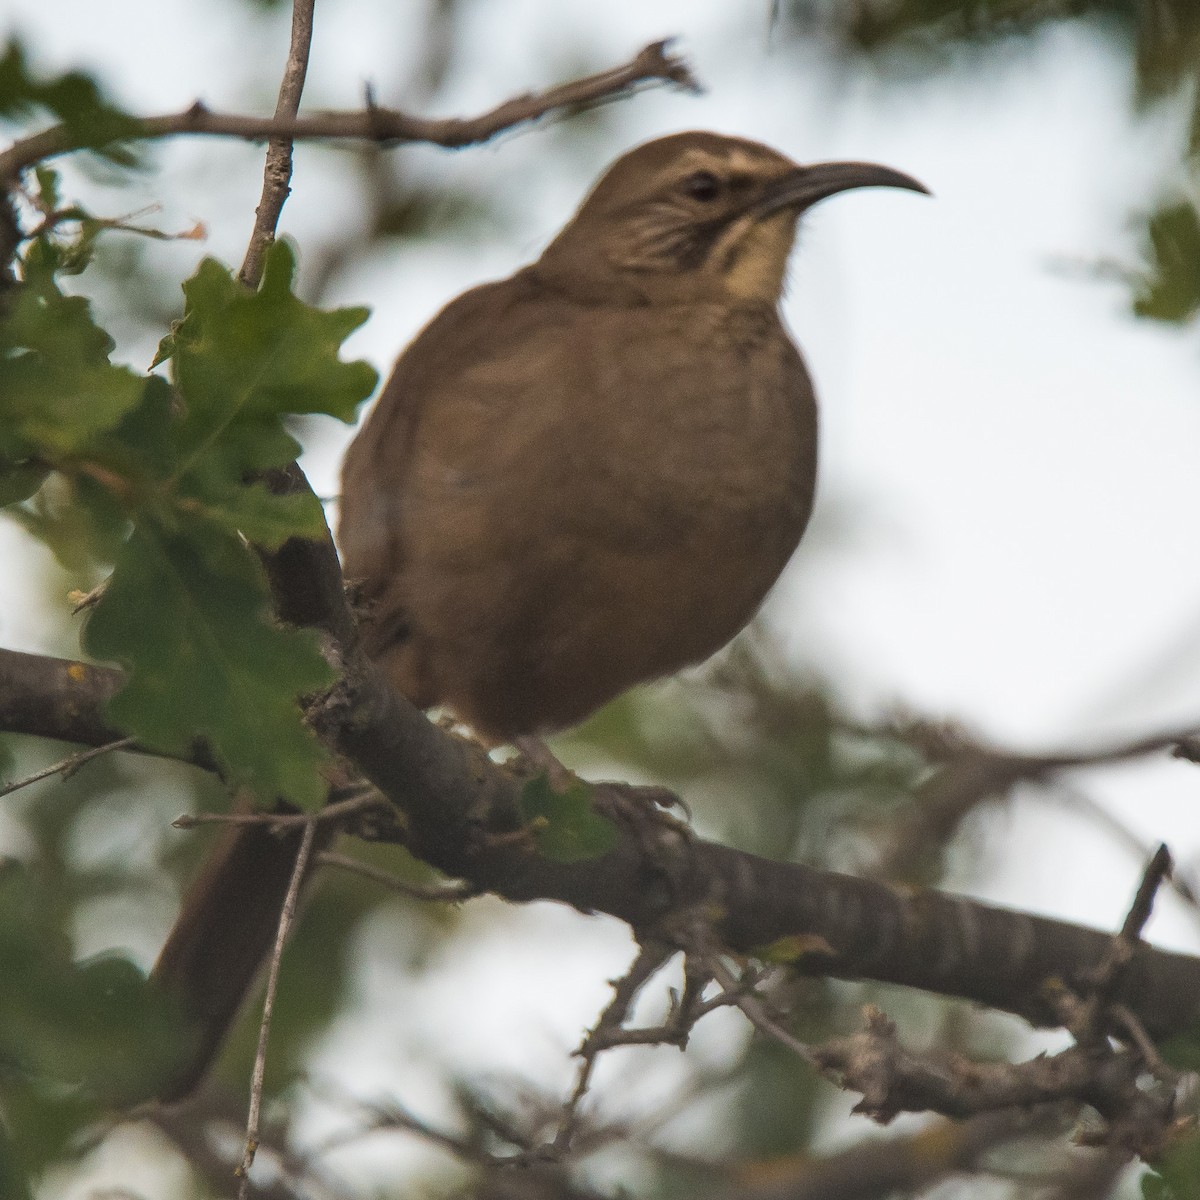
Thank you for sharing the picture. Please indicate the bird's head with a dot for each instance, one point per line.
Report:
(703, 214)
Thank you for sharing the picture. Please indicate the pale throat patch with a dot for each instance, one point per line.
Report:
(751, 257)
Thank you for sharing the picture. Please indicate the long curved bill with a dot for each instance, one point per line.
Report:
(803, 187)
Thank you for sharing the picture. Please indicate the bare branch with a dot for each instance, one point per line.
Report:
(277, 174)
(651, 65)
(66, 767)
(973, 773)
(280, 820)
(57, 698)
(264, 1029)
(905, 1164)
(462, 816)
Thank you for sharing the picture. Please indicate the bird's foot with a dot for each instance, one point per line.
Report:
(642, 807)
(645, 809)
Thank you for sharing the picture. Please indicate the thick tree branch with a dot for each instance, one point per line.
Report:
(66, 701)
(56, 698)
(893, 1079)
(459, 805)
(651, 65)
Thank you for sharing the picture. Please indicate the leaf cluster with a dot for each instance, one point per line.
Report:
(160, 478)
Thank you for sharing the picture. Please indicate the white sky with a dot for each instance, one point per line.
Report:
(1006, 522)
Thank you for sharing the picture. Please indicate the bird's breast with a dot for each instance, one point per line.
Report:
(717, 420)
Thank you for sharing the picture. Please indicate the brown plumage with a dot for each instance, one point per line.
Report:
(578, 478)
(591, 473)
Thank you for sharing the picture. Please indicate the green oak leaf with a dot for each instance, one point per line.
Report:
(187, 612)
(160, 479)
(243, 355)
(58, 389)
(565, 826)
(241, 361)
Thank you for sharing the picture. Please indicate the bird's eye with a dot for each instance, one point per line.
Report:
(703, 186)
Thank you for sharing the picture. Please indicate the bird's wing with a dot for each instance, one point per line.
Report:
(442, 466)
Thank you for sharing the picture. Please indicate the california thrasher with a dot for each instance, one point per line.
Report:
(589, 474)
(578, 478)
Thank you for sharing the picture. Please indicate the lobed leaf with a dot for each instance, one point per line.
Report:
(58, 389)
(158, 479)
(565, 826)
(186, 612)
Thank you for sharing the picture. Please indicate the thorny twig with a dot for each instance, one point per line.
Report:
(650, 65)
(1088, 1017)
(893, 1079)
(651, 956)
(742, 994)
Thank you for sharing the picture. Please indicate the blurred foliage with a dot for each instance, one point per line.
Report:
(1164, 34)
(78, 1040)
(74, 98)
(1170, 288)
(1163, 38)
(1177, 1175)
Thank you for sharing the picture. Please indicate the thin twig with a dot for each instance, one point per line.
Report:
(391, 1116)
(651, 65)
(1106, 980)
(68, 766)
(444, 893)
(651, 956)
(755, 1010)
(1089, 1017)
(260, 1056)
(1075, 798)
(1157, 869)
(331, 812)
(277, 174)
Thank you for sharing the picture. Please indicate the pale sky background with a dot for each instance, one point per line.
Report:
(1006, 523)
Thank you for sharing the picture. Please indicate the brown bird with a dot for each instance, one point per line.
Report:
(581, 477)
(589, 474)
